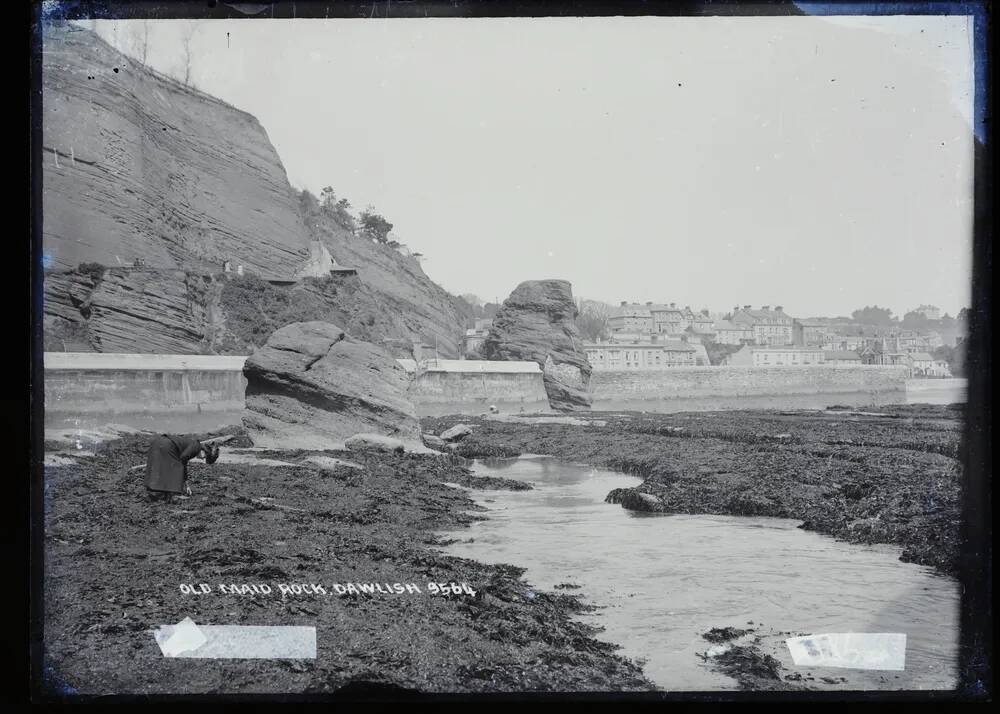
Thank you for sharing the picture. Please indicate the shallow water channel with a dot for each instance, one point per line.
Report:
(661, 580)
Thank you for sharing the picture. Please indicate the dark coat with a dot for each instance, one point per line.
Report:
(166, 464)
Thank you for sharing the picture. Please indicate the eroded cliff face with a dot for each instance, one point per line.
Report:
(139, 166)
(134, 311)
(408, 305)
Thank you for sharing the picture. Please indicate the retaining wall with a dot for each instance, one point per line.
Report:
(695, 382)
(148, 383)
(95, 382)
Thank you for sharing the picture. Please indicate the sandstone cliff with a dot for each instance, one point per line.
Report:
(137, 166)
(131, 310)
(537, 323)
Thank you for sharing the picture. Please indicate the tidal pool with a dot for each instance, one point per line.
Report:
(660, 580)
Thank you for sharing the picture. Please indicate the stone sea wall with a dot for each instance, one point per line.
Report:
(93, 383)
(695, 382)
(145, 383)
(101, 383)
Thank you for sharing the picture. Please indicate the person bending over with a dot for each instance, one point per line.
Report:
(166, 464)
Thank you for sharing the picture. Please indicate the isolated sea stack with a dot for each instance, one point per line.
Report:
(537, 324)
(313, 387)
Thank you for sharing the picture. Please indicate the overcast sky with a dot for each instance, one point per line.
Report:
(817, 163)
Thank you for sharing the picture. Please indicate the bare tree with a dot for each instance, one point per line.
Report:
(138, 34)
(186, 37)
(592, 319)
(143, 42)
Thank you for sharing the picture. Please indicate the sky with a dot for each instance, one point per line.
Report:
(818, 163)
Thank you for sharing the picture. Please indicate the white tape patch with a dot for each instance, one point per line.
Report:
(850, 650)
(186, 639)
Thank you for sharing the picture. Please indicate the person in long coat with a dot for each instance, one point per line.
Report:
(166, 463)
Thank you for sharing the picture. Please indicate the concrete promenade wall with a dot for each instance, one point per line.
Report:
(477, 382)
(94, 383)
(101, 383)
(695, 382)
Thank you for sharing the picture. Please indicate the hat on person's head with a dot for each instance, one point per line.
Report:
(211, 453)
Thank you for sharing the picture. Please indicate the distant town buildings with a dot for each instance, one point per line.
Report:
(843, 343)
(810, 333)
(656, 318)
(661, 335)
(774, 356)
(646, 355)
(631, 318)
(730, 333)
(770, 327)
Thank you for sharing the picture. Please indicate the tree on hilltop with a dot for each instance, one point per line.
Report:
(375, 226)
(916, 320)
(874, 315)
(338, 210)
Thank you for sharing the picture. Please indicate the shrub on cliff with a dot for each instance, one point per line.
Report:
(374, 226)
(327, 207)
(94, 270)
(254, 308)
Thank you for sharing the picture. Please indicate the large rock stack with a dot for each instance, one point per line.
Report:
(313, 387)
(537, 324)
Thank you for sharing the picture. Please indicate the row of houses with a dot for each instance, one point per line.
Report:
(766, 325)
(745, 325)
(652, 355)
(818, 334)
(654, 318)
(920, 364)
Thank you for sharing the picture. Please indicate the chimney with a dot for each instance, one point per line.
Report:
(624, 303)
(736, 308)
(673, 304)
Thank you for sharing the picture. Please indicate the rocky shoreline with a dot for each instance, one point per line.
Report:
(887, 477)
(115, 564)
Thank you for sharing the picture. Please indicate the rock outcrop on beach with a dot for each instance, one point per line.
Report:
(537, 324)
(313, 387)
